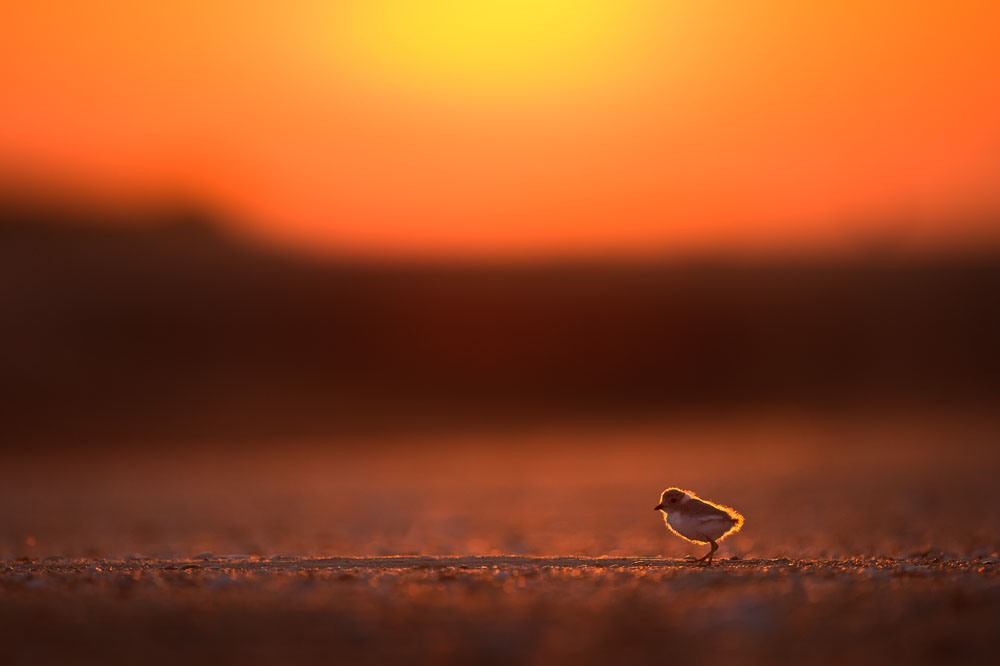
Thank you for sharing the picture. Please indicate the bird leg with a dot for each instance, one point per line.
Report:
(707, 557)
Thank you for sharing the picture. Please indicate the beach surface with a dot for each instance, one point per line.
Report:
(864, 542)
(499, 609)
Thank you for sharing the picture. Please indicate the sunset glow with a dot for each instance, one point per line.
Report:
(492, 49)
(488, 127)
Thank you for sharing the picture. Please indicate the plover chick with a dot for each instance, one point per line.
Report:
(697, 520)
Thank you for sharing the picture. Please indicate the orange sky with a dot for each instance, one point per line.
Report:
(520, 126)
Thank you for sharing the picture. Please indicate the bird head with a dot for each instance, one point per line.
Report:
(672, 498)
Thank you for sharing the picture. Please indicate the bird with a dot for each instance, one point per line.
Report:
(697, 520)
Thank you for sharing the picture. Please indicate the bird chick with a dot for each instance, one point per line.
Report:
(698, 520)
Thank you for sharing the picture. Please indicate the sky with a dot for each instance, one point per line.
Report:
(520, 127)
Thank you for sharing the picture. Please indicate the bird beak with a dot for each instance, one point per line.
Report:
(657, 507)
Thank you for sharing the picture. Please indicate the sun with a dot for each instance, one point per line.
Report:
(483, 48)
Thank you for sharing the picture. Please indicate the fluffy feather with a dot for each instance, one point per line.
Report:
(702, 520)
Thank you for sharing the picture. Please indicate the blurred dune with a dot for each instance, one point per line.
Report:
(156, 324)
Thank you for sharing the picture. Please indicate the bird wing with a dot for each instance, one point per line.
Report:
(696, 507)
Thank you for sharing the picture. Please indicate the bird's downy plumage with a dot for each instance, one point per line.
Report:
(696, 520)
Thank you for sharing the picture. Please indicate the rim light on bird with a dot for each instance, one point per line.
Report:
(697, 520)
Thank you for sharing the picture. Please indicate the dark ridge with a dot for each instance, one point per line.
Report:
(155, 325)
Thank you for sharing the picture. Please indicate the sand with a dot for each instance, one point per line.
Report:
(864, 543)
(500, 609)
